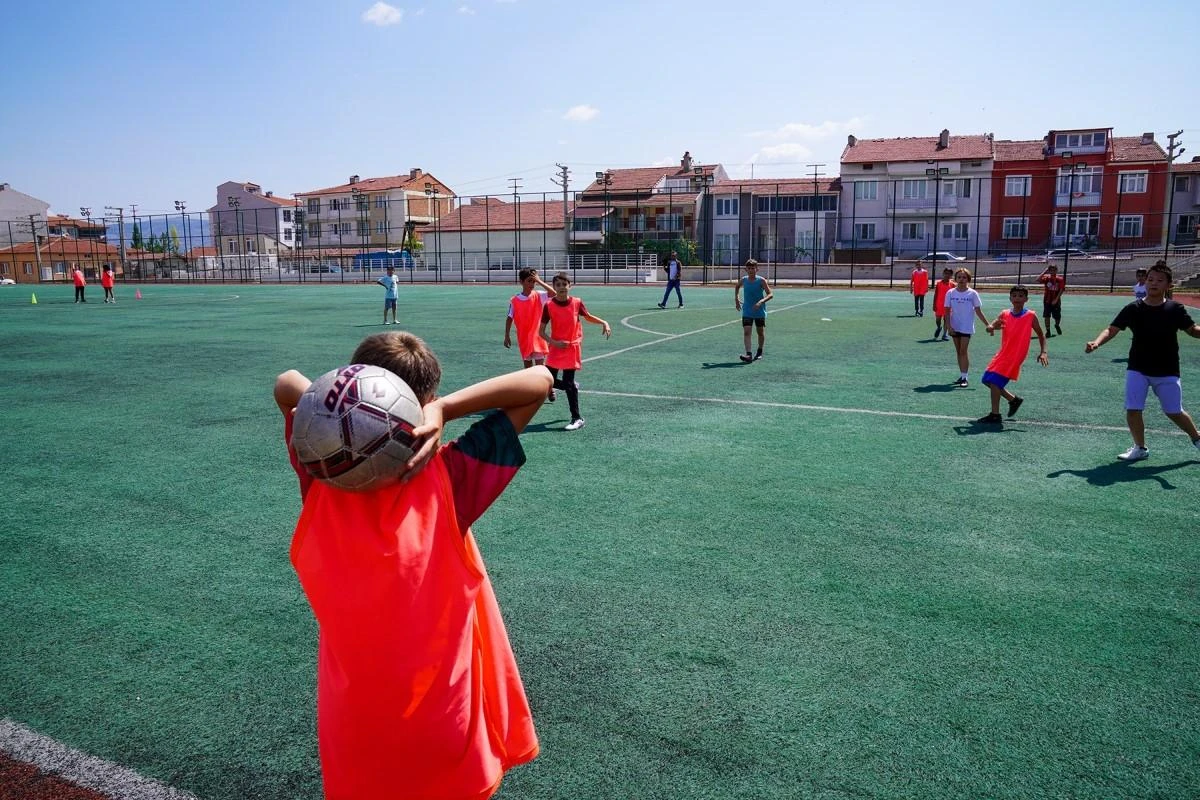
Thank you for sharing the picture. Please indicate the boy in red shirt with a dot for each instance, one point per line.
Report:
(418, 693)
(939, 304)
(525, 313)
(1016, 325)
(918, 286)
(77, 277)
(563, 331)
(107, 280)
(1052, 299)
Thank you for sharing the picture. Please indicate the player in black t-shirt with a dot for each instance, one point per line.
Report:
(1153, 358)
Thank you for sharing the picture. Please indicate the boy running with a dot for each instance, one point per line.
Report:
(758, 294)
(1153, 358)
(1015, 325)
(962, 307)
(563, 331)
(525, 312)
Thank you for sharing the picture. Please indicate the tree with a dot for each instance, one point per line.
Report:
(136, 239)
(174, 247)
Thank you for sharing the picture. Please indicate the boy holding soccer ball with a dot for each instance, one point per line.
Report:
(418, 693)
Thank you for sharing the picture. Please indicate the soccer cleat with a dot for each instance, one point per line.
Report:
(746, 359)
(662, 305)
(758, 356)
(681, 305)
(1058, 329)
(1014, 404)
(962, 383)
(991, 419)
(1134, 453)
(575, 425)
(945, 338)
(552, 396)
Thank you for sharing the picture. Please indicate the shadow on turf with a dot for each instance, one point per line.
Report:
(1120, 472)
(724, 364)
(937, 388)
(976, 428)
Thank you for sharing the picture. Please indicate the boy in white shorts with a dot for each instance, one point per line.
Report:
(1153, 358)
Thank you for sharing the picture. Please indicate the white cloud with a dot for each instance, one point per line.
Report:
(805, 132)
(581, 113)
(466, 11)
(786, 152)
(382, 14)
(419, 12)
(797, 142)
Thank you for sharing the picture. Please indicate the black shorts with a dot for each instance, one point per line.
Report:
(761, 322)
(958, 335)
(1052, 310)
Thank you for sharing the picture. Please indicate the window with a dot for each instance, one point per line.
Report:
(727, 207)
(1066, 141)
(726, 245)
(1187, 224)
(344, 228)
(381, 201)
(913, 231)
(1017, 185)
(314, 205)
(1129, 227)
(948, 188)
(314, 230)
(1016, 227)
(333, 229)
(362, 204)
(956, 230)
(587, 224)
(1087, 224)
(250, 246)
(670, 222)
(287, 234)
(914, 190)
(28, 268)
(1132, 183)
(636, 222)
(336, 204)
(1183, 183)
(963, 185)
(864, 231)
(232, 246)
(866, 190)
(3, 269)
(1084, 181)
(287, 215)
(380, 227)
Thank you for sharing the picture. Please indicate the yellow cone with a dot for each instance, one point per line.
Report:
(33, 300)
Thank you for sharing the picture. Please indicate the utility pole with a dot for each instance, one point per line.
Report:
(1171, 156)
(563, 180)
(120, 236)
(37, 246)
(516, 185)
(817, 174)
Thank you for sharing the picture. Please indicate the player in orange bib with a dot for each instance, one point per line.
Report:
(1015, 324)
(525, 313)
(939, 305)
(562, 329)
(918, 287)
(108, 280)
(418, 693)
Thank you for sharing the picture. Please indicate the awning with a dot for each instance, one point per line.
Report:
(591, 211)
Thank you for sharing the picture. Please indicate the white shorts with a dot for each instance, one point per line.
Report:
(1168, 389)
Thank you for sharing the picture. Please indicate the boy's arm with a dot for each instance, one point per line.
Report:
(768, 295)
(998, 322)
(518, 394)
(508, 331)
(737, 300)
(1042, 358)
(597, 321)
(1104, 336)
(1193, 331)
(548, 287)
(288, 388)
(979, 313)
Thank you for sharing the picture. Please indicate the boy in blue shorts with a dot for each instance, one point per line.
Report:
(1153, 358)
(390, 283)
(754, 313)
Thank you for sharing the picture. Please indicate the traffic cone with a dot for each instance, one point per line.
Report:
(33, 299)
(137, 295)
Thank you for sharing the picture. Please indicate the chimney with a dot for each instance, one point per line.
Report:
(270, 194)
(851, 140)
(943, 139)
(414, 173)
(353, 179)
(1148, 137)
(685, 163)
(1196, 159)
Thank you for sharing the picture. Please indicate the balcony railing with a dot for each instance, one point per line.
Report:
(1077, 199)
(922, 205)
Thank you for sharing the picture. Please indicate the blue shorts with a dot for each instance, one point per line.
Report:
(1168, 389)
(995, 379)
(389, 304)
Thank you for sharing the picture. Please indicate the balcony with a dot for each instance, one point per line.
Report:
(586, 236)
(1078, 200)
(921, 206)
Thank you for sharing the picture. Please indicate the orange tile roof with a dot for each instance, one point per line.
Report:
(199, 252)
(62, 219)
(766, 186)
(286, 202)
(918, 148)
(1022, 150)
(405, 181)
(645, 178)
(1131, 148)
(66, 246)
(535, 216)
(1188, 166)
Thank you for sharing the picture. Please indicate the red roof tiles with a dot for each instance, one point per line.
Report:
(765, 186)
(406, 181)
(499, 216)
(918, 148)
(1132, 148)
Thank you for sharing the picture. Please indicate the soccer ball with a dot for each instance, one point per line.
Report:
(353, 427)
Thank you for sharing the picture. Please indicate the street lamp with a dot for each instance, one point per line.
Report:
(705, 180)
(605, 180)
(936, 174)
(432, 193)
(236, 204)
(1072, 170)
(361, 205)
(181, 207)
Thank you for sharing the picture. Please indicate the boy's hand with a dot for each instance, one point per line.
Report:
(428, 435)
(1043, 359)
(737, 304)
(991, 329)
(1090, 346)
(607, 331)
(507, 341)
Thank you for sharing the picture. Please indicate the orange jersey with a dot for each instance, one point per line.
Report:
(1014, 343)
(418, 693)
(526, 314)
(939, 296)
(566, 326)
(78, 278)
(106, 279)
(919, 282)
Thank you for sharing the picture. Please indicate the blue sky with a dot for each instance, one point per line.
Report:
(150, 102)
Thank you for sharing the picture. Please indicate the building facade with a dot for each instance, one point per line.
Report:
(1183, 204)
(780, 220)
(248, 221)
(21, 216)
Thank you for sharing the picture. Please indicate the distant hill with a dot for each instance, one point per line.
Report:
(193, 231)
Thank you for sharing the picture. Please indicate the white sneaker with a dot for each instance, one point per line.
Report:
(575, 425)
(1134, 453)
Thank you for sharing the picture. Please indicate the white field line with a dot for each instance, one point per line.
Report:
(868, 411)
(667, 337)
(90, 772)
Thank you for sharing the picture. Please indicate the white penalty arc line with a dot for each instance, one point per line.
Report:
(866, 411)
(90, 772)
(667, 337)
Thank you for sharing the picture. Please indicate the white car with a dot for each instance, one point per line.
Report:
(1060, 253)
(942, 255)
(7, 282)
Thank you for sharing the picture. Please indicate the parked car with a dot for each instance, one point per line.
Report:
(7, 282)
(1059, 253)
(942, 255)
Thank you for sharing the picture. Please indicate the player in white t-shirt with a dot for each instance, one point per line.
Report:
(963, 306)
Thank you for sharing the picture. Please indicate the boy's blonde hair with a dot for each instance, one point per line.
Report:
(963, 270)
(406, 356)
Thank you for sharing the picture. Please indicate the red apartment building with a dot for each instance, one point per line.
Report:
(1083, 188)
